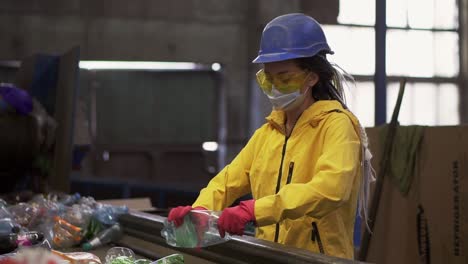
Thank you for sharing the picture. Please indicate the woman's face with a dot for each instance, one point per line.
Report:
(283, 69)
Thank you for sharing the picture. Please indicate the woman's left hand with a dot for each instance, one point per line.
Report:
(234, 219)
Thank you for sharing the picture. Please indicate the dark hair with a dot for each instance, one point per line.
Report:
(325, 88)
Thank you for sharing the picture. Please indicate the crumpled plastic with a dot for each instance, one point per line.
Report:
(122, 255)
(199, 229)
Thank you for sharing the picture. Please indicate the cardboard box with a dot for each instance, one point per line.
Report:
(137, 204)
(440, 188)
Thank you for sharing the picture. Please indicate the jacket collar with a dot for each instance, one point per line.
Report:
(312, 115)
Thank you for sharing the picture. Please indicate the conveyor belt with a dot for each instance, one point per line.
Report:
(142, 234)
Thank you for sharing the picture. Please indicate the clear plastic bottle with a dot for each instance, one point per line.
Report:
(199, 229)
(106, 236)
(108, 214)
(69, 200)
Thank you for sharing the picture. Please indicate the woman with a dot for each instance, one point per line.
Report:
(307, 165)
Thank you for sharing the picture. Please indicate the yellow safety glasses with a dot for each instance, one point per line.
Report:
(287, 82)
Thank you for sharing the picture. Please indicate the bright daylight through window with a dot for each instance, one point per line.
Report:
(422, 45)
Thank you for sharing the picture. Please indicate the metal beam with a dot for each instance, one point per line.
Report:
(238, 250)
(396, 79)
(380, 78)
(463, 44)
(64, 115)
(403, 28)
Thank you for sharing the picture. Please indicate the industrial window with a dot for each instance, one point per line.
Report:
(422, 45)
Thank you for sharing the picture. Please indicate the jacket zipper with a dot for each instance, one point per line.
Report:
(316, 236)
(290, 173)
(278, 183)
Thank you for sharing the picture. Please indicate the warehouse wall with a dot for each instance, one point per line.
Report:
(204, 31)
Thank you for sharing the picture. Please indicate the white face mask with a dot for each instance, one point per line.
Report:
(288, 101)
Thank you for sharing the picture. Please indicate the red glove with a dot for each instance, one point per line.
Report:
(200, 221)
(177, 214)
(234, 219)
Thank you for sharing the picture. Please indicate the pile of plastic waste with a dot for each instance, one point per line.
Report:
(65, 221)
(115, 255)
(121, 255)
(40, 230)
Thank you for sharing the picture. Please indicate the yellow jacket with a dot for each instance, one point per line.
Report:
(305, 186)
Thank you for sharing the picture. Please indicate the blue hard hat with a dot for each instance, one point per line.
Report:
(17, 98)
(291, 36)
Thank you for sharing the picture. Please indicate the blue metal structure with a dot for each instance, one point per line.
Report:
(380, 77)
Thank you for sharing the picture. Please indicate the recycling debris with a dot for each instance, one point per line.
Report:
(29, 231)
(78, 257)
(121, 255)
(199, 229)
(115, 255)
(65, 221)
(44, 229)
(106, 236)
(10, 242)
(34, 255)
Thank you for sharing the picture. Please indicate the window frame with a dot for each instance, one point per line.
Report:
(381, 12)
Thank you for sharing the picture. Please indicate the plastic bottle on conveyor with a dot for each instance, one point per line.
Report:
(104, 237)
(199, 229)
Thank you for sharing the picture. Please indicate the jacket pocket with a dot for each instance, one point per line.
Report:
(290, 172)
(315, 237)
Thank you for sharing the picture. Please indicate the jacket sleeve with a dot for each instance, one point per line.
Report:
(231, 183)
(332, 182)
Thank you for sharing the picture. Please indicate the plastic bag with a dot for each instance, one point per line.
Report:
(65, 234)
(171, 259)
(37, 256)
(142, 261)
(199, 229)
(119, 255)
(122, 255)
(78, 257)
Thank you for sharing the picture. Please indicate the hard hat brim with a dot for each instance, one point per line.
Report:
(281, 56)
